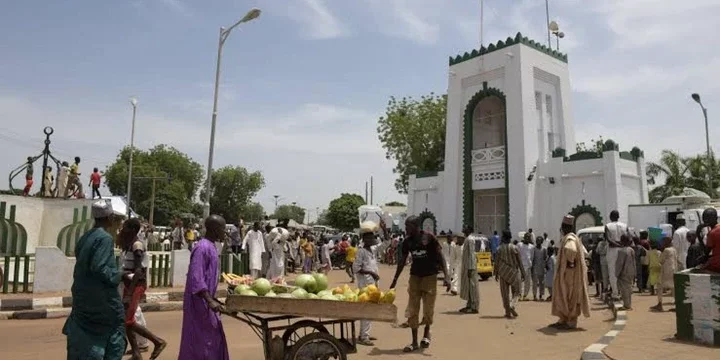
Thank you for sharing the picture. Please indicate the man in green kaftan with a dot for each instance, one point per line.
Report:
(95, 329)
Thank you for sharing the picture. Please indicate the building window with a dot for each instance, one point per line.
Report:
(548, 106)
(538, 100)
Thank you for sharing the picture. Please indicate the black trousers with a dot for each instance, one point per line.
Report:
(96, 191)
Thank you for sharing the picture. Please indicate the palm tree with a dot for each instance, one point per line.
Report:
(697, 174)
(673, 169)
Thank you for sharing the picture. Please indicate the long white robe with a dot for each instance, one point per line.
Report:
(681, 244)
(455, 266)
(255, 242)
(278, 238)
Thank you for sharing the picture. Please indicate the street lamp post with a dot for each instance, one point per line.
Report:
(133, 102)
(696, 97)
(224, 33)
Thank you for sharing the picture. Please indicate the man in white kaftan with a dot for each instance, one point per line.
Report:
(254, 244)
(278, 238)
(455, 262)
(445, 241)
(613, 231)
(468, 273)
(680, 242)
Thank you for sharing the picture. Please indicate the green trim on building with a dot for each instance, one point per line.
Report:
(428, 215)
(583, 155)
(71, 233)
(519, 39)
(13, 236)
(468, 199)
(584, 208)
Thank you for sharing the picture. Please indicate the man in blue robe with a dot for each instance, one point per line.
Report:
(95, 329)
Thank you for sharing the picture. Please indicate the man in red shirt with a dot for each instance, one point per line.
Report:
(95, 183)
(712, 244)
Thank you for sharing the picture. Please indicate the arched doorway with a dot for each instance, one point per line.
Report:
(586, 216)
(489, 123)
(485, 200)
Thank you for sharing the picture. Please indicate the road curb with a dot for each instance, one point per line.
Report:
(595, 351)
(42, 303)
(56, 313)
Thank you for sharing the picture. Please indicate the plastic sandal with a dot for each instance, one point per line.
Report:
(410, 348)
(425, 343)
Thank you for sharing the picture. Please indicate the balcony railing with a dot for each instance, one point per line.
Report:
(488, 155)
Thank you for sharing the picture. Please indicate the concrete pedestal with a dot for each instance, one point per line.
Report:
(697, 302)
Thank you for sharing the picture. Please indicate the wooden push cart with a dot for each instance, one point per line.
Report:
(306, 329)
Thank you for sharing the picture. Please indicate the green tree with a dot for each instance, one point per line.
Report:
(252, 212)
(394, 203)
(172, 197)
(698, 168)
(412, 132)
(672, 168)
(232, 189)
(290, 212)
(342, 213)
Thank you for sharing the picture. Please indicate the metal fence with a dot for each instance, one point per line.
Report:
(158, 270)
(234, 264)
(18, 273)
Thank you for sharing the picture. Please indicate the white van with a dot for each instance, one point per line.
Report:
(594, 233)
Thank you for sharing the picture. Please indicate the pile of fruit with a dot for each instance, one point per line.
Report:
(307, 286)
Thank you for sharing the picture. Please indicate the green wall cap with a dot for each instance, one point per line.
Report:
(518, 39)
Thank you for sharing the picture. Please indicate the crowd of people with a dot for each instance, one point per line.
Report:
(106, 316)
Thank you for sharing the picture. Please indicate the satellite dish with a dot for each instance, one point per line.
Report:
(561, 34)
(553, 26)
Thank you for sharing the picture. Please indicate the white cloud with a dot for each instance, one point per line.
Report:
(417, 20)
(310, 154)
(643, 23)
(316, 19)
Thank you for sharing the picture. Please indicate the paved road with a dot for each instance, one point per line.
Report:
(455, 336)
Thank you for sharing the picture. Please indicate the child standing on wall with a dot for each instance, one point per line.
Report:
(28, 176)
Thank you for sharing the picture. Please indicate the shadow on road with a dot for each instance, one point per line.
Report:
(553, 332)
(494, 317)
(378, 352)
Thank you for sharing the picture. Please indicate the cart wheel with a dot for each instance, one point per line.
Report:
(317, 346)
(301, 329)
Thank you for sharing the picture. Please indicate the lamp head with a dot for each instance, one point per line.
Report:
(133, 101)
(553, 26)
(696, 97)
(251, 15)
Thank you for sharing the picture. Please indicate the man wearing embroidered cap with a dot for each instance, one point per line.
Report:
(570, 294)
(95, 328)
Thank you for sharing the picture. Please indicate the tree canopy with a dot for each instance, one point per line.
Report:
(412, 132)
(252, 212)
(394, 203)
(173, 194)
(232, 189)
(290, 212)
(678, 172)
(342, 213)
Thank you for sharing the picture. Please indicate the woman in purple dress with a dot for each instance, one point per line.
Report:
(202, 332)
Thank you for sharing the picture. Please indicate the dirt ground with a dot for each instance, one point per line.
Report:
(455, 336)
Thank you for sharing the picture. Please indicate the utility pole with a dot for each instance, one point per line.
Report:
(277, 200)
(366, 193)
(154, 178)
(372, 190)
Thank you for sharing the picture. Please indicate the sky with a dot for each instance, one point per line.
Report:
(302, 86)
